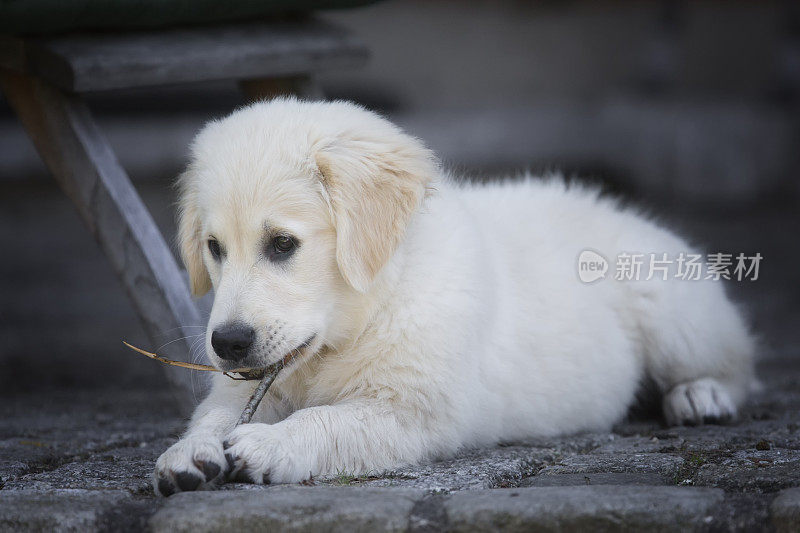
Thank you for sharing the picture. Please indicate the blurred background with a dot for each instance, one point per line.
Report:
(689, 109)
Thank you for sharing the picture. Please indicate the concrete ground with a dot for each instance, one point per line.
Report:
(75, 460)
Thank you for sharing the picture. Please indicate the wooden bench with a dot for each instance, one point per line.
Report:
(43, 79)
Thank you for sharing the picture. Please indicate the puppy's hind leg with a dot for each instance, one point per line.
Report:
(705, 400)
(698, 351)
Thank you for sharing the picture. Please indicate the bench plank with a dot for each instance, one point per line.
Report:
(102, 61)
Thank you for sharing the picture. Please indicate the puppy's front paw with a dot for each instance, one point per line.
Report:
(262, 454)
(193, 463)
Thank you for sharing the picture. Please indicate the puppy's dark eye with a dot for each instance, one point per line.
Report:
(283, 244)
(214, 248)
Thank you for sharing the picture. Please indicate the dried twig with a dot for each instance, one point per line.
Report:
(193, 366)
(267, 376)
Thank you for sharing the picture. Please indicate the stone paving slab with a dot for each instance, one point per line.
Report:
(469, 470)
(289, 508)
(757, 471)
(786, 511)
(96, 473)
(587, 478)
(61, 510)
(666, 465)
(600, 508)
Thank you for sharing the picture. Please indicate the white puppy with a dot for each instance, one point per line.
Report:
(424, 316)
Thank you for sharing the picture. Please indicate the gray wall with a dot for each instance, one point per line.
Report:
(689, 108)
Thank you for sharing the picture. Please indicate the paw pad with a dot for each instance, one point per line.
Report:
(187, 481)
(165, 487)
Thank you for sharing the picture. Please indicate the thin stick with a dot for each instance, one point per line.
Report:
(269, 376)
(193, 366)
(270, 373)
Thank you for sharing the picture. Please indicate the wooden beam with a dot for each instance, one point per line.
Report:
(100, 61)
(78, 155)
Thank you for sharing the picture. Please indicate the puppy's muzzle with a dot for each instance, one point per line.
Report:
(232, 341)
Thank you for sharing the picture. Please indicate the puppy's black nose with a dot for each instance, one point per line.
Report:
(231, 341)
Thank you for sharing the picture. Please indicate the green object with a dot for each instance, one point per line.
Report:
(26, 17)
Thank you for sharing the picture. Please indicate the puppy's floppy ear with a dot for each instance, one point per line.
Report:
(375, 182)
(190, 239)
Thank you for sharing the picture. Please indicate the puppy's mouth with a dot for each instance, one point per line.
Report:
(286, 360)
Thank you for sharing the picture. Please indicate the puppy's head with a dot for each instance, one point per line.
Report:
(290, 210)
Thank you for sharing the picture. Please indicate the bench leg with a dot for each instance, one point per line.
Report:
(76, 152)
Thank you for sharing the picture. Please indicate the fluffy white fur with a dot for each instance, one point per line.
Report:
(444, 315)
